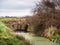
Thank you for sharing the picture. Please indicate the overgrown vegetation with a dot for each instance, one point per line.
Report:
(6, 38)
(45, 22)
(46, 18)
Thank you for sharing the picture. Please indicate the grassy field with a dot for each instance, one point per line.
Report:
(6, 38)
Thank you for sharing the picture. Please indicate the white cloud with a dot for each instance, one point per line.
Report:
(18, 13)
(10, 4)
(16, 7)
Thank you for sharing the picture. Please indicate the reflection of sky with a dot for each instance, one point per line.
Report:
(16, 7)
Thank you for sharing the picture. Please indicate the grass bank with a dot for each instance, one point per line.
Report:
(6, 38)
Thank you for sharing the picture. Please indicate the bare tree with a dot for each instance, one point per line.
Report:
(46, 17)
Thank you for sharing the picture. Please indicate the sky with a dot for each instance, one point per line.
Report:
(17, 8)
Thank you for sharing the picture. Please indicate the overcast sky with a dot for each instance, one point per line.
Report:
(16, 7)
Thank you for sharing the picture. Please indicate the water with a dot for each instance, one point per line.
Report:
(34, 40)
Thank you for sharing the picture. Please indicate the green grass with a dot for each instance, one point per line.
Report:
(6, 38)
(6, 20)
(42, 41)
